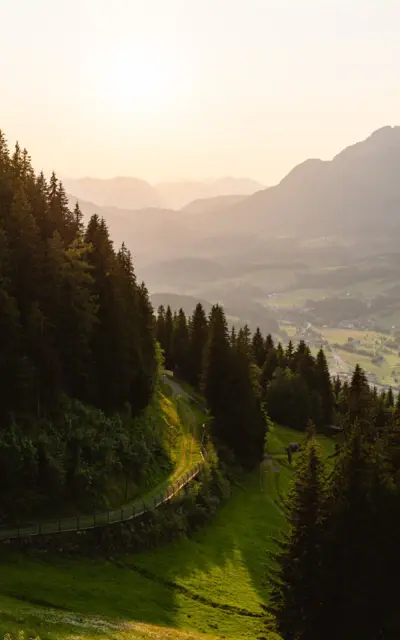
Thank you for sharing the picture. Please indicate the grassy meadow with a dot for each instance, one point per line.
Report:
(175, 590)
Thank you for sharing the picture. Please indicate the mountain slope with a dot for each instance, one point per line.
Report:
(359, 186)
(324, 215)
(208, 205)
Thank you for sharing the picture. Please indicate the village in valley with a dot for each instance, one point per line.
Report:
(347, 345)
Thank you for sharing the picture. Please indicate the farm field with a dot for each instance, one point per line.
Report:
(186, 584)
(386, 371)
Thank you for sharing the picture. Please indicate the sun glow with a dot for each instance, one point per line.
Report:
(141, 82)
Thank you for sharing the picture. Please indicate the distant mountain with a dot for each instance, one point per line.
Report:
(125, 193)
(178, 194)
(328, 225)
(358, 191)
(132, 193)
(212, 205)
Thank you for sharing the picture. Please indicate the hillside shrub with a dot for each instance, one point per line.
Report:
(72, 458)
(185, 513)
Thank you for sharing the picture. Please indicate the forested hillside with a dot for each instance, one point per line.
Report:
(79, 360)
(79, 407)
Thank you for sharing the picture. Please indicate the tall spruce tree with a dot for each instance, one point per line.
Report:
(217, 363)
(359, 542)
(296, 582)
(180, 345)
(198, 333)
(323, 385)
(168, 344)
(258, 348)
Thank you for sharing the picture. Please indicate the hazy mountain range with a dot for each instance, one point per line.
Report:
(323, 218)
(132, 193)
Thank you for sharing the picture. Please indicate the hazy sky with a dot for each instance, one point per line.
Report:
(167, 89)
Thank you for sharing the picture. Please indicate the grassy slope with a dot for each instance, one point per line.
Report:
(224, 564)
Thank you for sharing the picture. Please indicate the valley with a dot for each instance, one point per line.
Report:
(377, 353)
(310, 249)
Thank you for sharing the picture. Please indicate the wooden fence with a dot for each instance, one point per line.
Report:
(100, 519)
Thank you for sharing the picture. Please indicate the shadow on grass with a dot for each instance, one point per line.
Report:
(214, 582)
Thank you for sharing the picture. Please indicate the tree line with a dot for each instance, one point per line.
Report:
(335, 572)
(244, 377)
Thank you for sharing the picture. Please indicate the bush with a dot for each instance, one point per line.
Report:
(71, 458)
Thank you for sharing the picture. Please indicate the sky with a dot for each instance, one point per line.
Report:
(195, 89)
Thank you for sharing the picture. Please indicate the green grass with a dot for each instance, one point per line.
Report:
(187, 583)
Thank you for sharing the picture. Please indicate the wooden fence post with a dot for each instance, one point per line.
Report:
(77, 523)
(122, 515)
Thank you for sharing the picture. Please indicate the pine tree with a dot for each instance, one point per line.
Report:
(324, 387)
(390, 398)
(217, 362)
(109, 370)
(160, 326)
(289, 354)
(144, 384)
(245, 409)
(296, 583)
(180, 345)
(270, 366)
(337, 387)
(269, 344)
(280, 355)
(244, 341)
(78, 226)
(359, 541)
(258, 348)
(168, 345)
(359, 395)
(197, 341)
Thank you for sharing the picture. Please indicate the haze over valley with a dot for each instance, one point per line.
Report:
(319, 247)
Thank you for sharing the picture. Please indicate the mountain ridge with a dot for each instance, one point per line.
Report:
(133, 193)
(327, 196)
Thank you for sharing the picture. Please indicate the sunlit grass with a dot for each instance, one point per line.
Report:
(187, 584)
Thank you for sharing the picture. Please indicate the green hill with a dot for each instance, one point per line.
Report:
(213, 583)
